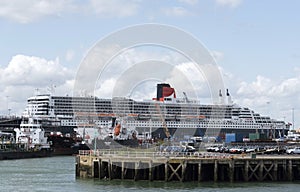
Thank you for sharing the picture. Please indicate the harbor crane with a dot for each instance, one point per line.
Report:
(165, 128)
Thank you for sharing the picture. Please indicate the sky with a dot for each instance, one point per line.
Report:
(254, 43)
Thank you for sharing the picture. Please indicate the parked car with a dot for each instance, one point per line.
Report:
(189, 149)
(213, 149)
(249, 149)
(224, 149)
(274, 150)
(236, 150)
(295, 150)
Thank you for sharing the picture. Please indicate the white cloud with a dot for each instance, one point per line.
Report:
(27, 11)
(114, 8)
(106, 88)
(24, 74)
(297, 69)
(186, 77)
(190, 2)
(261, 86)
(31, 10)
(217, 55)
(175, 11)
(230, 3)
(270, 97)
(287, 88)
(70, 55)
(29, 70)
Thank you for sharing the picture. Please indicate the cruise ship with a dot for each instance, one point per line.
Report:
(165, 116)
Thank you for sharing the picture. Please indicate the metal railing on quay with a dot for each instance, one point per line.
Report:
(152, 154)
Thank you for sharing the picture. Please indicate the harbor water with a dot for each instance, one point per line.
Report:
(58, 174)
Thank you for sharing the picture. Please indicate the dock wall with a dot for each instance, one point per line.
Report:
(157, 167)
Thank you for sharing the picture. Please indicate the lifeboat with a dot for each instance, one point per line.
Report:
(117, 130)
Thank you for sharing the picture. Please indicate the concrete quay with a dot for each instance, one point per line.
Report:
(153, 166)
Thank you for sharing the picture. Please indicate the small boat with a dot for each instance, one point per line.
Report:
(116, 136)
(65, 144)
(30, 142)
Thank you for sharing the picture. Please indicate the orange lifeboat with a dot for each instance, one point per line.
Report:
(117, 130)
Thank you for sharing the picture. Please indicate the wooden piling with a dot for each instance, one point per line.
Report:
(199, 171)
(231, 170)
(275, 170)
(290, 170)
(246, 171)
(215, 170)
(150, 170)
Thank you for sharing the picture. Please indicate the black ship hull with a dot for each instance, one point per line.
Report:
(109, 143)
(8, 155)
(63, 145)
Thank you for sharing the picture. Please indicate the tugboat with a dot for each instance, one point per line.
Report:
(65, 144)
(30, 142)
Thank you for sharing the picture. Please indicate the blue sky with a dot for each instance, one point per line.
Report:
(255, 43)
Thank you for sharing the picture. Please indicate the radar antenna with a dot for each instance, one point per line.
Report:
(185, 97)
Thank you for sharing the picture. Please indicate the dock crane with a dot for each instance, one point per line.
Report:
(165, 128)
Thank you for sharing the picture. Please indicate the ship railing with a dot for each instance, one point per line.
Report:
(152, 154)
